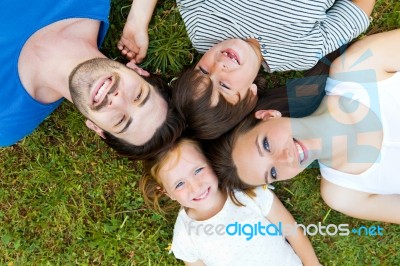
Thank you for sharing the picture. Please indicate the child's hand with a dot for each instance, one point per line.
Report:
(134, 42)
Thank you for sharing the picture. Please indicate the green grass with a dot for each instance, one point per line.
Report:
(67, 199)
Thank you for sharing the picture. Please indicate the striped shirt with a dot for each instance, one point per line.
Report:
(293, 34)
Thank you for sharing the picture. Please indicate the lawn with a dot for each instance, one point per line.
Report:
(67, 199)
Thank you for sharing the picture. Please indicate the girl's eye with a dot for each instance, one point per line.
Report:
(139, 95)
(120, 121)
(223, 85)
(198, 170)
(203, 71)
(179, 185)
(266, 144)
(273, 173)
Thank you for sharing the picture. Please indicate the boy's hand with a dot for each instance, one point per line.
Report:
(134, 43)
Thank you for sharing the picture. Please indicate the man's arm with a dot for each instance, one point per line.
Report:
(135, 39)
(299, 242)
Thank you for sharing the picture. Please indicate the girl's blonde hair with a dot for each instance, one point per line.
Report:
(150, 183)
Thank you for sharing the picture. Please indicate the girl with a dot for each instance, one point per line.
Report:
(201, 234)
(354, 135)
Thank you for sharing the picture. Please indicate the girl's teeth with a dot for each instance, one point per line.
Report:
(202, 196)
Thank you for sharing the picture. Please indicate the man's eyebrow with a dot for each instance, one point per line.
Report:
(145, 99)
(126, 126)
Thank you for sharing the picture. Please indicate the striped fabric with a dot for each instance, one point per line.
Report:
(293, 34)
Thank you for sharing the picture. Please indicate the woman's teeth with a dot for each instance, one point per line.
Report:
(300, 151)
(100, 92)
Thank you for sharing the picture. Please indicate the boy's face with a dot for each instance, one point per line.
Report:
(188, 179)
(232, 66)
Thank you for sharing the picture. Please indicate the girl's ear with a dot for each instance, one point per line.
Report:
(253, 89)
(266, 114)
(95, 128)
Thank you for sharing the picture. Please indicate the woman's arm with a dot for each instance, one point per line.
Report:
(378, 51)
(196, 263)
(299, 242)
(361, 205)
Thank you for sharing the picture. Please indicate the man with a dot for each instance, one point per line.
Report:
(46, 46)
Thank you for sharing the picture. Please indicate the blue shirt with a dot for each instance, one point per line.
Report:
(20, 114)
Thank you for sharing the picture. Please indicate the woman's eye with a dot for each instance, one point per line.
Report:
(273, 173)
(198, 170)
(139, 95)
(205, 72)
(266, 144)
(223, 85)
(180, 184)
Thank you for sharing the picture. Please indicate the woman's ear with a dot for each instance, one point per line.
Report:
(266, 114)
(253, 89)
(95, 128)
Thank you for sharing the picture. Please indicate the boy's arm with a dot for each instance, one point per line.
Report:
(366, 5)
(135, 39)
(299, 242)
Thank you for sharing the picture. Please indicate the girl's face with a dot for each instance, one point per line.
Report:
(269, 153)
(187, 178)
(232, 66)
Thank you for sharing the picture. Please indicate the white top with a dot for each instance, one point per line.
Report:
(209, 241)
(293, 35)
(384, 100)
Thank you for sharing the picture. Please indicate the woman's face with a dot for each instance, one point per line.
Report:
(232, 66)
(269, 153)
(187, 178)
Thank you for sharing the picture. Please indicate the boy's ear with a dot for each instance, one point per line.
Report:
(266, 114)
(253, 89)
(95, 128)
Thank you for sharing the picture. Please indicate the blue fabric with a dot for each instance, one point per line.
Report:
(20, 114)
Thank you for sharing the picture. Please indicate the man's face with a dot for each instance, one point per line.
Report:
(116, 99)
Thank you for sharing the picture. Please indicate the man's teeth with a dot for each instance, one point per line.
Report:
(202, 196)
(100, 92)
(230, 56)
(300, 151)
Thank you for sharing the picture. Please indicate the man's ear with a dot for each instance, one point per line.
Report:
(253, 89)
(266, 114)
(137, 69)
(95, 128)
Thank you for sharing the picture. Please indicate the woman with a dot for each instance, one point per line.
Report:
(353, 135)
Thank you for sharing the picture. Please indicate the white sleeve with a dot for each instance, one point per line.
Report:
(182, 244)
(263, 199)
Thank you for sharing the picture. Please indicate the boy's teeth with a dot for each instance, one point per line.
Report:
(300, 151)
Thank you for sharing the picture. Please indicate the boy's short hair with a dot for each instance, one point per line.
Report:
(192, 96)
